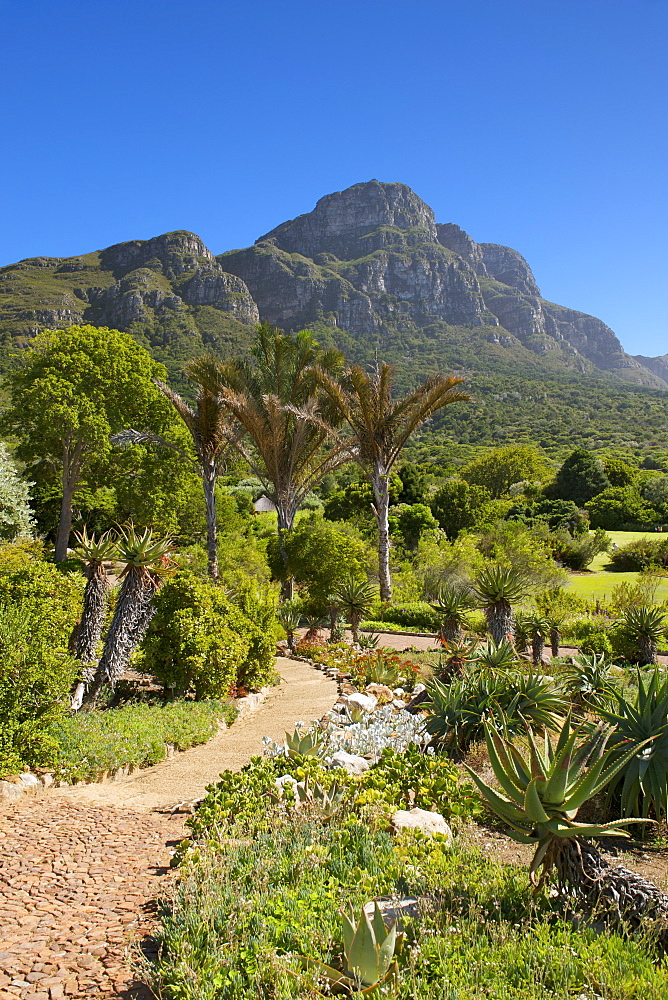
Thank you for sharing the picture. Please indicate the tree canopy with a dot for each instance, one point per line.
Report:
(504, 466)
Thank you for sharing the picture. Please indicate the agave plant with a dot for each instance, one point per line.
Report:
(454, 657)
(458, 713)
(355, 598)
(521, 631)
(300, 745)
(645, 626)
(492, 656)
(588, 680)
(144, 557)
(543, 793)
(642, 781)
(369, 949)
(93, 552)
(368, 642)
(498, 588)
(452, 604)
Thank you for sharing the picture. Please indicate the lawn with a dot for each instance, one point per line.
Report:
(600, 580)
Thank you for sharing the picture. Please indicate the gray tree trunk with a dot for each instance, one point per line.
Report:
(92, 615)
(209, 481)
(648, 651)
(537, 649)
(450, 630)
(65, 522)
(381, 491)
(555, 639)
(500, 621)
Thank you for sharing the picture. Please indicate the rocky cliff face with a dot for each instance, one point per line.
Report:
(371, 261)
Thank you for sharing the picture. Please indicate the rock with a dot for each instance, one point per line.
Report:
(30, 782)
(399, 703)
(418, 689)
(365, 702)
(286, 780)
(394, 909)
(9, 791)
(420, 819)
(352, 763)
(381, 692)
(399, 692)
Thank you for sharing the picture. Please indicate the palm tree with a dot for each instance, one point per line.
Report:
(381, 427)
(278, 403)
(645, 626)
(538, 630)
(453, 604)
(211, 433)
(144, 557)
(498, 588)
(93, 553)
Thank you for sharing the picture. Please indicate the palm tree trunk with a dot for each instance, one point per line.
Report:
(92, 615)
(555, 639)
(381, 490)
(209, 481)
(286, 517)
(648, 650)
(500, 621)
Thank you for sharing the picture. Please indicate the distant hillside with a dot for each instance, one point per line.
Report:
(370, 270)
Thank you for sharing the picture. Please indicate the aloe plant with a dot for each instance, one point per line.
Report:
(645, 626)
(588, 680)
(452, 604)
(496, 656)
(355, 598)
(498, 587)
(641, 723)
(289, 615)
(368, 642)
(93, 552)
(538, 631)
(369, 950)
(299, 745)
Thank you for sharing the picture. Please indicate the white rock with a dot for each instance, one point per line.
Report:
(421, 819)
(418, 689)
(284, 780)
(30, 782)
(351, 762)
(365, 702)
(47, 779)
(398, 703)
(399, 692)
(10, 791)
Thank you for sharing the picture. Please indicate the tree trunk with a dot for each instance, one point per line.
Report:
(65, 522)
(381, 490)
(450, 630)
(555, 639)
(209, 480)
(92, 616)
(285, 521)
(648, 652)
(537, 648)
(500, 621)
(611, 892)
(131, 617)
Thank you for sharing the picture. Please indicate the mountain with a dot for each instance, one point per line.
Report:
(369, 269)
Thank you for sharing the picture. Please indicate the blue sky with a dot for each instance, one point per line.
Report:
(540, 125)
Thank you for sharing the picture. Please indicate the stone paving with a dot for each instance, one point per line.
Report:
(76, 884)
(81, 868)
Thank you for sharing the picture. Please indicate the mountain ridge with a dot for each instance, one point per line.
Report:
(369, 267)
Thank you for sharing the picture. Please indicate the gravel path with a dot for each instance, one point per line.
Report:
(80, 868)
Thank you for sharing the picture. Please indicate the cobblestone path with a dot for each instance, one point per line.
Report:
(80, 869)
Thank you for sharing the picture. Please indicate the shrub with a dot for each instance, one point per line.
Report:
(592, 637)
(641, 554)
(35, 679)
(578, 552)
(418, 615)
(198, 640)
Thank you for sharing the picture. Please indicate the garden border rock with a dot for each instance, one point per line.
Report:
(17, 786)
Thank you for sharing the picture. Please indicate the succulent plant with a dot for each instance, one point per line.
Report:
(369, 950)
(299, 744)
(452, 604)
(542, 793)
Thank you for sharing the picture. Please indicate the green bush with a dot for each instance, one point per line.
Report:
(578, 552)
(641, 554)
(418, 615)
(35, 679)
(89, 743)
(199, 640)
(592, 637)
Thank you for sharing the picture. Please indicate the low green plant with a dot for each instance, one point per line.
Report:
(643, 627)
(496, 656)
(303, 744)
(588, 680)
(368, 951)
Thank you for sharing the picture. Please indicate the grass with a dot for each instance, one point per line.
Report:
(86, 745)
(599, 581)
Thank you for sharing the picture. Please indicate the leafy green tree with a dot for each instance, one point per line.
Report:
(621, 507)
(320, 555)
(411, 521)
(619, 473)
(72, 389)
(355, 502)
(380, 427)
(457, 504)
(16, 517)
(502, 467)
(581, 477)
(413, 484)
